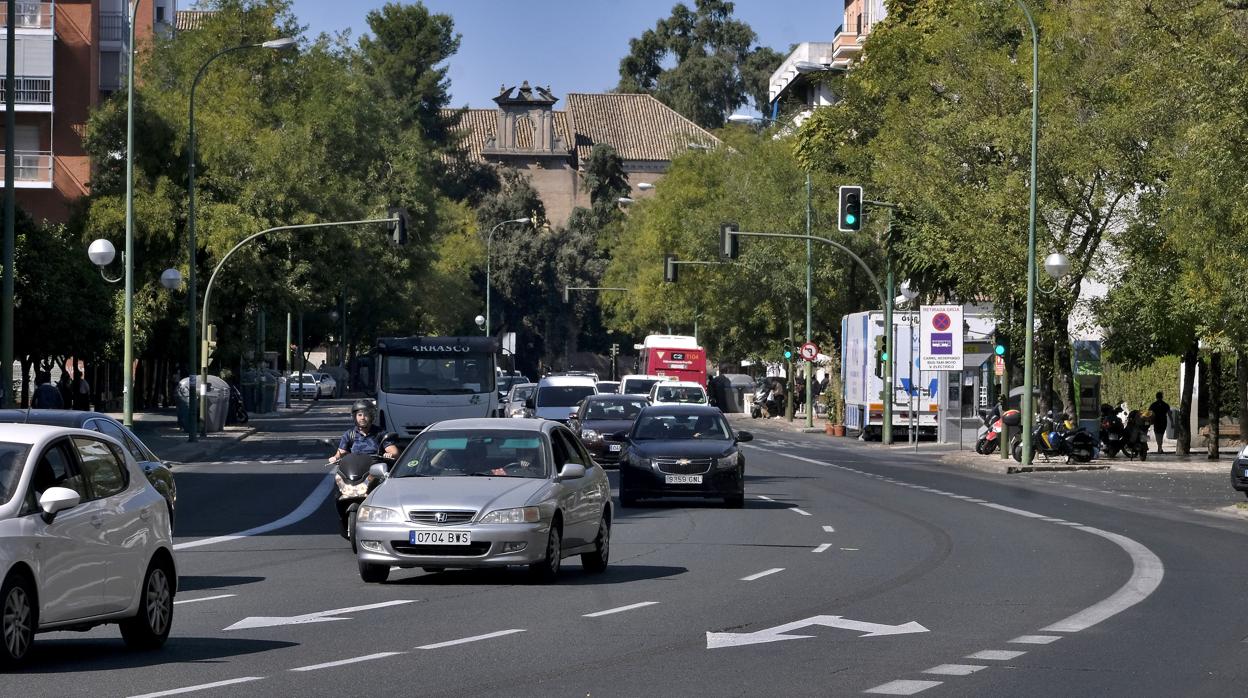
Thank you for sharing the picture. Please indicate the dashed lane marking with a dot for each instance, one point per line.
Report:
(799, 511)
(903, 688)
(1035, 639)
(765, 498)
(205, 598)
(621, 609)
(955, 669)
(829, 529)
(822, 547)
(996, 655)
(466, 640)
(760, 575)
(343, 662)
(200, 687)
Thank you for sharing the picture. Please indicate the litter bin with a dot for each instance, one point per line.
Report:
(218, 403)
(738, 390)
(268, 393)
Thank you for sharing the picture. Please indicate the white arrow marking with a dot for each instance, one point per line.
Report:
(318, 617)
(778, 633)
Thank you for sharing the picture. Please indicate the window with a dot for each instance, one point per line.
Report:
(114, 430)
(101, 467)
(56, 468)
(566, 450)
(562, 395)
(12, 462)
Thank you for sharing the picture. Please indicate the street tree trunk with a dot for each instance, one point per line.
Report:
(1182, 427)
(1063, 375)
(1215, 402)
(1241, 380)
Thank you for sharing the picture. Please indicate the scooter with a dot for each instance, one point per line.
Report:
(990, 433)
(1135, 438)
(354, 484)
(238, 410)
(1112, 434)
(1057, 438)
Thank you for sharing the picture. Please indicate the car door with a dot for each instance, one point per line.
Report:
(567, 491)
(157, 472)
(595, 492)
(577, 519)
(123, 517)
(72, 566)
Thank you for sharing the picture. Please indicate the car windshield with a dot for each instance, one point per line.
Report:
(708, 427)
(463, 453)
(679, 393)
(459, 374)
(608, 387)
(613, 409)
(522, 394)
(12, 459)
(638, 386)
(562, 395)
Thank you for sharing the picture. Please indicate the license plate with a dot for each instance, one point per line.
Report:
(439, 537)
(683, 479)
(614, 448)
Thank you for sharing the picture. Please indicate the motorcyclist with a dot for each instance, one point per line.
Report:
(365, 436)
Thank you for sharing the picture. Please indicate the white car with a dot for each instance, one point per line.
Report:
(639, 384)
(678, 392)
(84, 540)
(303, 385)
(326, 385)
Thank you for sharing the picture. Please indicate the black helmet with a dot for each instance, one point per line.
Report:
(363, 405)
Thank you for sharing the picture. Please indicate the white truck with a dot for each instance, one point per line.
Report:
(862, 343)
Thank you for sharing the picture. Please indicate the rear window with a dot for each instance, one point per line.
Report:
(638, 386)
(562, 395)
(12, 460)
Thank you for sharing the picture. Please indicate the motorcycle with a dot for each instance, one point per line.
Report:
(1057, 438)
(764, 405)
(354, 484)
(1112, 434)
(1135, 438)
(990, 433)
(238, 410)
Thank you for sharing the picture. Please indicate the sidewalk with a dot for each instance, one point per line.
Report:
(159, 429)
(1196, 462)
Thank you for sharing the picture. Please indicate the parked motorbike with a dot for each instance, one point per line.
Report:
(764, 405)
(1054, 438)
(1113, 434)
(990, 433)
(1135, 436)
(354, 483)
(238, 410)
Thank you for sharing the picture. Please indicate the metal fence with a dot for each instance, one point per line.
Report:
(29, 90)
(113, 26)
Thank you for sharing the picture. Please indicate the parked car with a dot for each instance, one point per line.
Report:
(514, 405)
(683, 451)
(638, 384)
(326, 385)
(157, 472)
(84, 540)
(608, 386)
(599, 421)
(556, 396)
(303, 385)
(506, 380)
(1239, 471)
(678, 392)
(487, 493)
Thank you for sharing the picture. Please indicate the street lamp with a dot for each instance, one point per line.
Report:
(645, 186)
(480, 320)
(624, 200)
(102, 253)
(171, 279)
(274, 44)
(489, 243)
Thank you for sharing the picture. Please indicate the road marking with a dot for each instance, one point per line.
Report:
(765, 498)
(851, 550)
(829, 529)
(955, 669)
(621, 609)
(303, 511)
(342, 662)
(200, 687)
(902, 688)
(474, 638)
(780, 632)
(318, 617)
(996, 655)
(206, 598)
(764, 573)
(822, 547)
(1145, 578)
(799, 511)
(1035, 639)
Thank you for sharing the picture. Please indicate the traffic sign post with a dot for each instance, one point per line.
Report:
(809, 351)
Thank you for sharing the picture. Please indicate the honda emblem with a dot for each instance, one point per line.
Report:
(440, 517)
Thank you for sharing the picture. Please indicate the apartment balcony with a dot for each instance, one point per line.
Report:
(113, 27)
(31, 94)
(847, 44)
(32, 169)
(31, 16)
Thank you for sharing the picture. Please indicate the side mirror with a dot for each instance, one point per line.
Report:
(378, 471)
(743, 436)
(57, 499)
(529, 404)
(571, 471)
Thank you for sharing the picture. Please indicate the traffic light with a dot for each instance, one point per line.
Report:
(397, 227)
(788, 351)
(728, 249)
(881, 355)
(849, 217)
(210, 342)
(669, 268)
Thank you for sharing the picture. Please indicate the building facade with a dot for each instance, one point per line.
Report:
(525, 133)
(69, 56)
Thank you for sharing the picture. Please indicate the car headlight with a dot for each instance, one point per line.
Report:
(727, 462)
(590, 435)
(378, 514)
(513, 516)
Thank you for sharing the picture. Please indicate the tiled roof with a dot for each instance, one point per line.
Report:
(638, 126)
(186, 20)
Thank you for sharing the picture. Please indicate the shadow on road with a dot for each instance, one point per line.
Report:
(49, 656)
(203, 582)
(570, 575)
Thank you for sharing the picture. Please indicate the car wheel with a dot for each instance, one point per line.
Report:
(18, 618)
(596, 562)
(351, 511)
(546, 570)
(736, 501)
(149, 628)
(374, 573)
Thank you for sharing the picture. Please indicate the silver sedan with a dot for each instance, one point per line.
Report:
(487, 493)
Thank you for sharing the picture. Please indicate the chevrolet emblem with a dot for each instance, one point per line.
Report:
(683, 461)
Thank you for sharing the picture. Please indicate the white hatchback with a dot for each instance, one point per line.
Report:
(677, 392)
(84, 540)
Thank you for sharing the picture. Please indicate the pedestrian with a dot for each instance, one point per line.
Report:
(62, 386)
(81, 392)
(46, 396)
(1161, 413)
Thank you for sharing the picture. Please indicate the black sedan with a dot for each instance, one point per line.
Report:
(157, 471)
(683, 451)
(600, 419)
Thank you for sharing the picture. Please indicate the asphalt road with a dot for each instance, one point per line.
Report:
(851, 570)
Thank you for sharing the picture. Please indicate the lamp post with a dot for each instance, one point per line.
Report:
(1029, 326)
(489, 243)
(285, 42)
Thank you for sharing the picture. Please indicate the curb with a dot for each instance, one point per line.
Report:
(1013, 469)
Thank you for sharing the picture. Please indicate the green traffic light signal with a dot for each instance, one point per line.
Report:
(884, 357)
(999, 349)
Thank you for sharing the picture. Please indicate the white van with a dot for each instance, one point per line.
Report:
(556, 397)
(639, 384)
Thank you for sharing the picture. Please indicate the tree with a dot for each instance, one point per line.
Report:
(716, 67)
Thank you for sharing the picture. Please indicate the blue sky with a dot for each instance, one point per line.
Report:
(571, 45)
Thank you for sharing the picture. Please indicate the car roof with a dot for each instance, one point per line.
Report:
(493, 424)
(680, 384)
(568, 380)
(614, 397)
(643, 376)
(60, 418)
(38, 433)
(681, 408)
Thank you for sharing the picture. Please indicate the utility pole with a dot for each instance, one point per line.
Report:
(10, 210)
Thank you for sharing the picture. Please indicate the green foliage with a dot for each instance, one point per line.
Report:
(1138, 386)
(405, 57)
(715, 71)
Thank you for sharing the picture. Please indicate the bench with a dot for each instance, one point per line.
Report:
(1226, 432)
